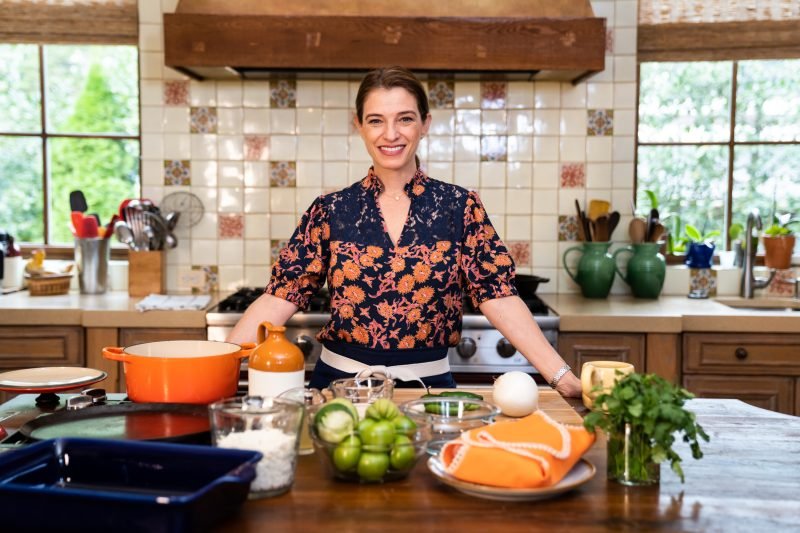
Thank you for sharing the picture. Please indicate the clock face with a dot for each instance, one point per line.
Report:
(187, 204)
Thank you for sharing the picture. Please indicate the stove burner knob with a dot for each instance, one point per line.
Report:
(505, 348)
(466, 347)
(305, 343)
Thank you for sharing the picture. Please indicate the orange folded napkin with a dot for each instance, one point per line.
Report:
(532, 452)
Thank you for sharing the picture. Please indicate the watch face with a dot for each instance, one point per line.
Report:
(187, 204)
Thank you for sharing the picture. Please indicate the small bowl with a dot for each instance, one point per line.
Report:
(449, 417)
(362, 391)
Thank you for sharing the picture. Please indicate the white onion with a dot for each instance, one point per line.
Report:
(516, 393)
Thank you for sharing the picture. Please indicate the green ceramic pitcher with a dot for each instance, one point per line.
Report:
(646, 269)
(595, 269)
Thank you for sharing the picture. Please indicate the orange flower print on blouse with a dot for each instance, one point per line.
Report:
(395, 297)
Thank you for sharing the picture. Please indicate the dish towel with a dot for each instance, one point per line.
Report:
(532, 452)
(163, 302)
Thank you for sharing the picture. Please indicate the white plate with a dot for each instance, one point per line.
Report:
(582, 472)
(50, 378)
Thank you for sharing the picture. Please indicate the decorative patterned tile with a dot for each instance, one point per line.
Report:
(703, 280)
(520, 252)
(782, 285)
(176, 92)
(567, 228)
(203, 119)
(231, 226)
(494, 148)
(275, 247)
(177, 172)
(610, 40)
(573, 175)
(441, 93)
(493, 94)
(256, 148)
(212, 279)
(599, 122)
(282, 174)
(283, 93)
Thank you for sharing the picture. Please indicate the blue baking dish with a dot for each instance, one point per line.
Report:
(106, 485)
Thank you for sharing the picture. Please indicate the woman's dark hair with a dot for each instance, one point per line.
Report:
(389, 78)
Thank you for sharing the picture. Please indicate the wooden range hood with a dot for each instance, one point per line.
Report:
(252, 39)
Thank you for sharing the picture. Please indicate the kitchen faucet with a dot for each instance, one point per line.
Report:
(749, 281)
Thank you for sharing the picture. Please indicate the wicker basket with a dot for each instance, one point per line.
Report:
(48, 285)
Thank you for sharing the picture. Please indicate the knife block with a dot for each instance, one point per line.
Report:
(147, 273)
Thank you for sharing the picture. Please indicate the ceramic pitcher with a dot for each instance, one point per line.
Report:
(646, 269)
(595, 272)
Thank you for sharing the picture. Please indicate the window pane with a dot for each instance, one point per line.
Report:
(761, 174)
(689, 181)
(768, 101)
(687, 102)
(21, 199)
(20, 101)
(92, 89)
(106, 170)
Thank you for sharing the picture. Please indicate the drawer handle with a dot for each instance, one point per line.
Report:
(740, 353)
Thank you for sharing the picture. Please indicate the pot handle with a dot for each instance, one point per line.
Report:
(245, 351)
(115, 353)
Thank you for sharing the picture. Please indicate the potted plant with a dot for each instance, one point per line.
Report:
(700, 252)
(641, 416)
(779, 242)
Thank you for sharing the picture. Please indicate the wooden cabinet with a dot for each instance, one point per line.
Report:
(578, 348)
(757, 368)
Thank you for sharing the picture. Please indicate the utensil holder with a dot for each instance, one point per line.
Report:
(147, 273)
(91, 257)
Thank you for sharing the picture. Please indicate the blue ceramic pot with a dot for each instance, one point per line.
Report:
(700, 255)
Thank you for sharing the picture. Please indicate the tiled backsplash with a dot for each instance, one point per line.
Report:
(257, 153)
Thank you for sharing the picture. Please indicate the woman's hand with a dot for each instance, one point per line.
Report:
(569, 386)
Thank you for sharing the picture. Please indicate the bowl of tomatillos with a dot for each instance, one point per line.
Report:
(383, 445)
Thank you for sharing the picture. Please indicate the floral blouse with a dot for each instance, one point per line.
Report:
(386, 296)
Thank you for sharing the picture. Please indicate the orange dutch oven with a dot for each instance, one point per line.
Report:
(180, 371)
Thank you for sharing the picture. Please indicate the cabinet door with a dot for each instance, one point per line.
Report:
(131, 336)
(578, 348)
(767, 392)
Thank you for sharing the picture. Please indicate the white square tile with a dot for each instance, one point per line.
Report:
(353, 86)
(257, 227)
(572, 148)
(149, 12)
(622, 198)
(336, 121)
(230, 147)
(256, 120)
(728, 281)
(468, 121)
(547, 122)
(494, 201)
(282, 200)
(282, 226)
(545, 175)
(443, 122)
(598, 148)
(442, 171)
(283, 148)
(204, 252)
(493, 174)
(573, 96)
(520, 148)
(153, 146)
(624, 68)
(567, 197)
(518, 201)
(230, 277)
(309, 120)
(518, 227)
(676, 281)
(309, 147)
(520, 95)
(229, 121)
(335, 93)
(607, 74)
(283, 121)
(257, 276)
(625, 14)
(257, 252)
(335, 147)
(335, 174)
(177, 146)
(256, 94)
(467, 148)
(598, 176)
(545, 149)
(204, 146)
(151, 38)
(231, 200)
(624, 148)
(625, 41)
(467, 94)
(305, 196)
(231, 174)
(520, 122)
(547, 95)
(440, 148)
(623, 175)
(544, 227)
(171, 74)
(604, 9)
(152, 118)
(422, 148)
(152, 173)
(624, 96)
(176, 119)
(230, 251)
(493, 122)
(519, 175)
(204, 173)
(358, 152)
(498, 221)
(207, 227)
(545, 202)
(169, 6)
(573, 122)
(356, 172)
(203, 93)
(309, 93)
(256, 174)
(150, 64)
(624, 122)
(309, 174)
(600, 95)
(229, 94)
(466, 175)
(152, 93)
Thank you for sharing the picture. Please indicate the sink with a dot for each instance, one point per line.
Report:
(762, 304)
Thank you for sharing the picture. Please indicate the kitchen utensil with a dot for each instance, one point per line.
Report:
(637, 230)
(76, 219)
(658, 232)
(77, 201)
(449, 417)
(89, 228)
(171, 241)
(110, 226)
(124, 233)
(91, 257)
(597, 208)
(49, 379)
(613, 222)
(172, 219)
(582, 233)
(527, 284)
(652, 220)
(122, 486)
(180, 371)
(600, 224)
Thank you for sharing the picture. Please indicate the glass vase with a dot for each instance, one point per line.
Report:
(630, 459)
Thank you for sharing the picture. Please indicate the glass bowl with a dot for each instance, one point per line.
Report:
(448, 417)
(362, 391)
(353, 460)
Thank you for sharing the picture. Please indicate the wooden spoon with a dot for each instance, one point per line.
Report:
(581, 225)
(658, 232)
(601, 228)
(637, 230)
(613, 221)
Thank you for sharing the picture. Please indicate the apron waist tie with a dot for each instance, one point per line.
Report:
(410, 372)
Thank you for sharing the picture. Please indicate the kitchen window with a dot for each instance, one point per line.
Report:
(717, 140)
(69, 120)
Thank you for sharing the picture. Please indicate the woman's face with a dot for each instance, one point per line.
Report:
(391, 129)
